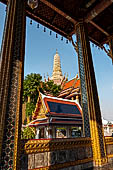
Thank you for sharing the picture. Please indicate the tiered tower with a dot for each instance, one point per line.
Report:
(57, 76)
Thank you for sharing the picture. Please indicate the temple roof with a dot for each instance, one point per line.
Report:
(56, 110)
(70, 88)
(62, 107)
(38, 122)
(56, 120)
(72, 83)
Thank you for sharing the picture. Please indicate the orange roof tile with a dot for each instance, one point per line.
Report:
(71, 83)
(77, 84)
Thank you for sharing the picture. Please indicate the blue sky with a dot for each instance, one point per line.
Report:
(40, 50)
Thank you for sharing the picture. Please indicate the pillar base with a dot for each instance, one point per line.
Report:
(100, 162)
(105, 166)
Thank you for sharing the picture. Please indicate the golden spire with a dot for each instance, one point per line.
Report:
(57, 72)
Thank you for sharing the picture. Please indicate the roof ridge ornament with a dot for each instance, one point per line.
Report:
(56, 51)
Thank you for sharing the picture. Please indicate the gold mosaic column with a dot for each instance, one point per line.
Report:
(11, 74)
(87, 73)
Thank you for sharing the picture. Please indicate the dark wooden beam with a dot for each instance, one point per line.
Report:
(46, 23)
(59, 11)
(52, 21)
(99, 28)
(98, 9)
(89, 16)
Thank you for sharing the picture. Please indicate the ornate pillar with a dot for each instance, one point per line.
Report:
(89, 91)
(11, 73)
(54, 132)
(37, 133)
(46, 131)
(50, 132)
(84, 101)
(67, 132)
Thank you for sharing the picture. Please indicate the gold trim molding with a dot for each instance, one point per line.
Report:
(109, 140)
(46, 145)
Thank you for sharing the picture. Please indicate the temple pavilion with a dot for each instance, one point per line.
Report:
(56, 118)
(59, 117)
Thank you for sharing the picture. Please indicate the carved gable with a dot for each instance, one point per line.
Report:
(40, 110)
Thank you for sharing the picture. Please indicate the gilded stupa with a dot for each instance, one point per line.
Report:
(57, 76)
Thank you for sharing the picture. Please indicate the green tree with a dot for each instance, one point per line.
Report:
(28, 133)
(109, 123)
(31, 85)
(30, 107)
(52, 88)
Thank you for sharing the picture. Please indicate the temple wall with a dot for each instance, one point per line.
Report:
(109, 148)
(64, 154)
(56, 154)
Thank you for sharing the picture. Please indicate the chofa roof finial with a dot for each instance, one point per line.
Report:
(56, 51)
